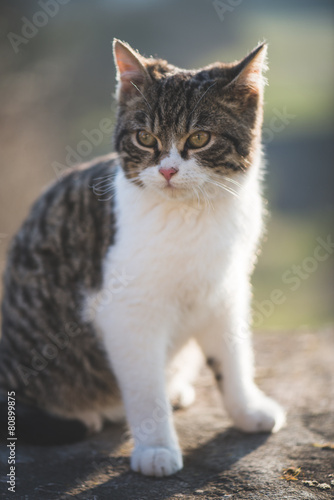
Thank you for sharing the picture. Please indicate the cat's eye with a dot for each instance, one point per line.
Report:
(146, 139)
(198, 139)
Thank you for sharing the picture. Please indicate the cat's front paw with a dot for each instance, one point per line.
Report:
(260, 414)
(156, 461)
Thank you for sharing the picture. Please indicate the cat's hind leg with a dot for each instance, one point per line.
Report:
(182, 372)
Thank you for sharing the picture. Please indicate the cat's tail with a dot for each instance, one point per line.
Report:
(35, 426)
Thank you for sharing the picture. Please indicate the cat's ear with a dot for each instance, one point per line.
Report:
(131, 71)
(249, 73)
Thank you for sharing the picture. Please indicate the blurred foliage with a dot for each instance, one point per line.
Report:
(60, 83)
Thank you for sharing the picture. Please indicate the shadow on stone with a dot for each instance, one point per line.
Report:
(216, 456)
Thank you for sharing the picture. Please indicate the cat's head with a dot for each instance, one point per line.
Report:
(185, 132)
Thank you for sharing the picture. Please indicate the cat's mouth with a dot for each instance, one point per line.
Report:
(170, 185)
(173, 190)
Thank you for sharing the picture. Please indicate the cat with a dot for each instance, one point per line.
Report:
(128, 265)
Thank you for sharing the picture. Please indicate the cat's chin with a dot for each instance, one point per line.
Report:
(187, 195)
(175, 193)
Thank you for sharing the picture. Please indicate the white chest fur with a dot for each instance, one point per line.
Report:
(179, 258)
(176, 246)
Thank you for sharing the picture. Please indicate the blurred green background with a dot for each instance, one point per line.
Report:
(57, 79)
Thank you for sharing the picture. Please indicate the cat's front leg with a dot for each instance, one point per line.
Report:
(137, 347)
(226, 343)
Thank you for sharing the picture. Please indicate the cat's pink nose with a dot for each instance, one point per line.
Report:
(168, 172)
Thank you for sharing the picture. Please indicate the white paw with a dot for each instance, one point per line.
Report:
(261, 414)
(156, 461)
(183, 396)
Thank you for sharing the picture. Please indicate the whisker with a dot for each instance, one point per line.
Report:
(209, 200)
(228, 189)
(196, 193)
(224, 187)
(206, 198)
(106, 198)
(100, 188)
(233, 181)
(218, 178)
(104, 186)
(204, 195)
(104, 178)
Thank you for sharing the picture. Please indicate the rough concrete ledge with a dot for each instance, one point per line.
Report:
(219, 462)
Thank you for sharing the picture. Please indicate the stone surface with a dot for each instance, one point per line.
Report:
(219, 462)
